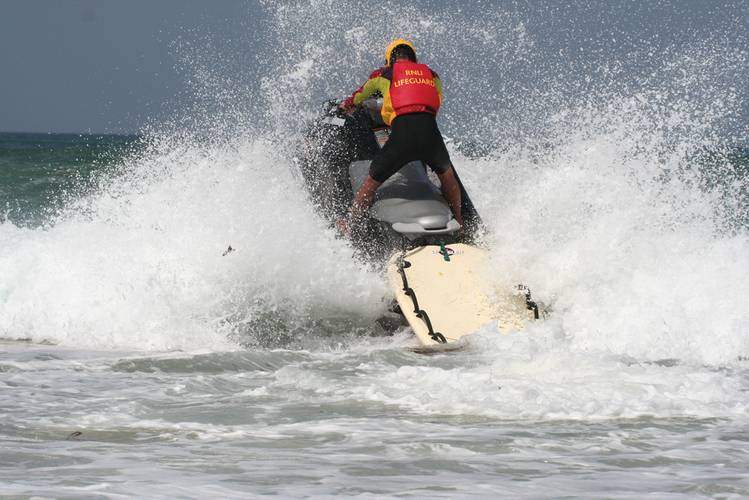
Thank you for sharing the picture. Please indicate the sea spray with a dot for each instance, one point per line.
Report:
(590, 184)
(614, 194)
(139, 264)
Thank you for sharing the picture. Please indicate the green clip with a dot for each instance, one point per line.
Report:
(444, 253)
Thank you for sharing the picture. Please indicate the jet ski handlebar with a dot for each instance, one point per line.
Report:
(373, 104)
(332, 107)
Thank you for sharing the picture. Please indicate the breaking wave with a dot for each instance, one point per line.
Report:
(606, 179)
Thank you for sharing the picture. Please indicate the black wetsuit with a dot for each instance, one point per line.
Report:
(413, 136)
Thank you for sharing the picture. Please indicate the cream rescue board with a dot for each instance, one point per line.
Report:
(444, 299)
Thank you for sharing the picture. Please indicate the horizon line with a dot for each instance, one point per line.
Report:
(68, 133)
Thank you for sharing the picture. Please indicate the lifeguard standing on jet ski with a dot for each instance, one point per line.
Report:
(412, 95)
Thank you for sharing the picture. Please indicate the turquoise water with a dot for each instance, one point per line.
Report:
(40, 172)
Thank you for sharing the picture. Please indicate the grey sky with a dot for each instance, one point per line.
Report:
(112, 65)
(97, 65)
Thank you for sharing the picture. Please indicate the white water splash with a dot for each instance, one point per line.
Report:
(592, 193)
(139, 264)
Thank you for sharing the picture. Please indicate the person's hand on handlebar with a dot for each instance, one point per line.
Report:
(347, 107)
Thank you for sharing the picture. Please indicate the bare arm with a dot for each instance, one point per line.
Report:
(451, 192)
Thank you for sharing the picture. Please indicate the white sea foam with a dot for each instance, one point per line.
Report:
(600, 208)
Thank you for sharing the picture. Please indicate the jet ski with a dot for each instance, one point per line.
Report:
(408, 209)
(437, 269)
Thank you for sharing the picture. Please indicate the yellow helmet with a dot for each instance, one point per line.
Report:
(393, 45)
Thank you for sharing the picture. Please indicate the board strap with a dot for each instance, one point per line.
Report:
(420, 313)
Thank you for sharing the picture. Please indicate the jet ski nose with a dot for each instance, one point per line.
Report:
(434, 221)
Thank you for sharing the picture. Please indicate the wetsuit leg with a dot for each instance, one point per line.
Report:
(392, 156)
(413, 136)
(432, 148)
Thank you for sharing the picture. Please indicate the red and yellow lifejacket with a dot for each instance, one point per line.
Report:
(406, 87)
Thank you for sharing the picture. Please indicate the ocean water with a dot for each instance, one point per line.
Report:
(139, 360)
